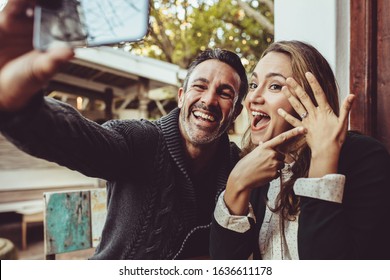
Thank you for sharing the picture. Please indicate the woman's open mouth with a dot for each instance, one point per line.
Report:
(260, 120)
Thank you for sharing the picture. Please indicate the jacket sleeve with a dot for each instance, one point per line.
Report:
(359, 227)
(56, 132)
(227, 244)
(234, 245)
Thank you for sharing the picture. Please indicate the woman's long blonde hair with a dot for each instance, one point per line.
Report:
(304, 58)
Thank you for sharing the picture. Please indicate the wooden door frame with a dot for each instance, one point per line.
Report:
(363, 65)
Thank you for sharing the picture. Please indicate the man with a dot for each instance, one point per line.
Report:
(163, 176)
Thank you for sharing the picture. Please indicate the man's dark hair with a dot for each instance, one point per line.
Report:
(225, 56)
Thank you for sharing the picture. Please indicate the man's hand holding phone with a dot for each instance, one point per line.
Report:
(23, 71)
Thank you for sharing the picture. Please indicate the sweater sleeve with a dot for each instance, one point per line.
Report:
(56, 132)
(358, 228)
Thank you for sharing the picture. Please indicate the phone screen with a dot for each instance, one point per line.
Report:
(89, 23)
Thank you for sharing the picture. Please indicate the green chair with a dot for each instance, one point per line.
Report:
(73, 220)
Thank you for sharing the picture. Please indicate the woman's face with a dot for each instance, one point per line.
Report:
(265, 97)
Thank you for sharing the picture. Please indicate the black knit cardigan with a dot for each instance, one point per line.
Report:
(152, 206)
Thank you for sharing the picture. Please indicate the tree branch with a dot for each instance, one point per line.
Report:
(162, 39)
(257, 16)
(269, 4)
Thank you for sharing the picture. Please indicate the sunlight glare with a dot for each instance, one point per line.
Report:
(2, 4)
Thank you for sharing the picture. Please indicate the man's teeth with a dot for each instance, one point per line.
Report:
(254, 113)
(204, 116)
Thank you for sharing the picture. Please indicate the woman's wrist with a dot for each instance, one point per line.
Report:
(236, 198)
(324, 162)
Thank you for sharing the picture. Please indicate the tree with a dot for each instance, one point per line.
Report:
(179, 29)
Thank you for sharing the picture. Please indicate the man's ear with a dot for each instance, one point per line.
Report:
(237, 111)
(180, 97)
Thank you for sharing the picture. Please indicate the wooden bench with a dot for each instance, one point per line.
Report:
(31, 212)
(73, 220)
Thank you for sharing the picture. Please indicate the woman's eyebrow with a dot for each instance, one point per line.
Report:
(269, 75)
(273, 74)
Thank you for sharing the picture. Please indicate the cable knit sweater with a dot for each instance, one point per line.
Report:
(156, 208)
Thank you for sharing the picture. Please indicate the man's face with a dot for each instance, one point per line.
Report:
(209, 105)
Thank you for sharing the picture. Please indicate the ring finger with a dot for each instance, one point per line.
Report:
(290, 119)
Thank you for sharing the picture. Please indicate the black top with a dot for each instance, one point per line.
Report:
(155, 207)
(358, 228)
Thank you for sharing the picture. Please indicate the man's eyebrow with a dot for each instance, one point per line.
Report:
(222, 86)
(200, 80)
(226, 86)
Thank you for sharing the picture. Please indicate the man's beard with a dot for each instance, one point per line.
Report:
(209, 136)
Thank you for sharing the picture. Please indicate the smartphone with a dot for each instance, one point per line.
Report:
(89, 23)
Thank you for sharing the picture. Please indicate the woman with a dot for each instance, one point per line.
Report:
(322, 196)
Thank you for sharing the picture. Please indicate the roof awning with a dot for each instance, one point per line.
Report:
(97, 69)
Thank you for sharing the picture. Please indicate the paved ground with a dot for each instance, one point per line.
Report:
(35, 251)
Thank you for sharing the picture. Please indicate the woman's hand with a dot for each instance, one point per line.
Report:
(256, 169)
(326, 132)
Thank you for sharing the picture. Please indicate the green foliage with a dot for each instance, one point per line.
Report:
(180, 29)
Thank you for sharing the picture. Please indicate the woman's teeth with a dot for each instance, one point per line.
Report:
(254, 113)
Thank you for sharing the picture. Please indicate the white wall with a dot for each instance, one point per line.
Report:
(324, 24)
(30, 179)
